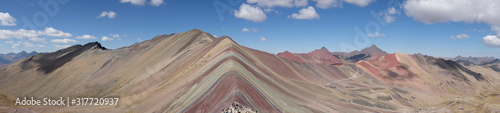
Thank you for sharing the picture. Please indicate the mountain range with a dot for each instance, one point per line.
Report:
(320, 56)
(474, 60)
(372, 52)
(491, 62)
(12, 57)
(194, 71)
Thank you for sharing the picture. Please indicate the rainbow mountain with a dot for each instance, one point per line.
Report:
(195, 72)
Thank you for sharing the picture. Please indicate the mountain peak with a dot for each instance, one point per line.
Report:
(48, 62)
(94, 45)
(200, 32)
(319, 56)
(285, 53)
(195, 30)
(322, 51)
(291, 56)
(373, 50)
(373, 47)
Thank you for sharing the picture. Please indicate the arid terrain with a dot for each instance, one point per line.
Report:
(195, 72)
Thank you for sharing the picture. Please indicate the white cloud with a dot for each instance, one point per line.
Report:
(86, 37)
(28, 44)
(115, 35)
(65, 40)
(325, 4)
(392, 11)
(140, 40)
(376, 34)
(491, 41)
(248, 30)
(156, 2)
(61, 46)
(389, 18)
(469, 11)
(135, 2)
(245, 30)
(21, 33)
(32, 34)
(252, 13)
(143, 2)
(7, 20)
(305, 13)
(49, 31)
(496, 28)
(280, 3)
(389, 15)
(105, 38)
(9, 42)
(37, 39)
(360, 3)
(433, 11)
(263, 39)
(267, 10)
(109, 14)
(461, 36)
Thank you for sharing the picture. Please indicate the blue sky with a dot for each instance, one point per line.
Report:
(439, 28)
